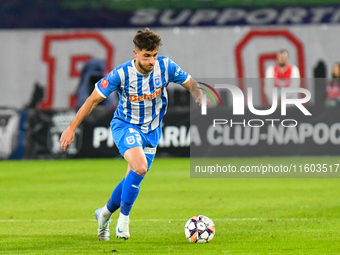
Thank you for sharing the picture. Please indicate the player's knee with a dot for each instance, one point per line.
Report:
(141, 169)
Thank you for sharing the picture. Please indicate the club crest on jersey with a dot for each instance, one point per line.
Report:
(157, 82)
(130, 140)
(104, 83)
(135, 98)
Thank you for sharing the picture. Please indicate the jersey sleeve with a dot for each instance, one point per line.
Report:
(108, 84)
(176, 74)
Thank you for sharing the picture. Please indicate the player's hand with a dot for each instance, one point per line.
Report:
(66, 138)
(199, 101)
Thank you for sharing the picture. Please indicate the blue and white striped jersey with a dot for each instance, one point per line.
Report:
(142, 97)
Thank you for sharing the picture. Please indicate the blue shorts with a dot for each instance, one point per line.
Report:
(127, 136)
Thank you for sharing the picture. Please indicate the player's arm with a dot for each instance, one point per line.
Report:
(91, 102)
(192, 86)
(177, 75)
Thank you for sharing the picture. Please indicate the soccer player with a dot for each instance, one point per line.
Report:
(281, 75)
(136, 126)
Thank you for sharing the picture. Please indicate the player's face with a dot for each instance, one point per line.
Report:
(336, 71)
(145, 60)
(282, 59)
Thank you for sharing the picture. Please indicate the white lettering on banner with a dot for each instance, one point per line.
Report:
(101, 134)
(222, 136)
(171, 136)
(320, 13)
(194, 137)
(293, 15)
(231, 15)
(203, 16)
(212, 139)
(336, 17)
(335, 128)
(305, 130)
(180, 136)
(144, 17)
(289, 15)
(319, 133)
(291, 135)
(261, 16)
(168, 19)
(225, 135)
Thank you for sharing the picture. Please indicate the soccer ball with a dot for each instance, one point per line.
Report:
(199, 229)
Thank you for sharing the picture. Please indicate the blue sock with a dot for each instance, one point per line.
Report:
(130, 191)
(114, 202)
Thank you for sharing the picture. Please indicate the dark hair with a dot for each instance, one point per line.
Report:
(283, 51)
(147, 40)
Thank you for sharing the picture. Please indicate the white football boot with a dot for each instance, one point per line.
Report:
(103, 227)
(122, 229)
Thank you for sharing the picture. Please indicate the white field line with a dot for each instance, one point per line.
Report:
(165, 220)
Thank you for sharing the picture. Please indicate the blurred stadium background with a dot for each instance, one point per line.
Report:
(52, 53)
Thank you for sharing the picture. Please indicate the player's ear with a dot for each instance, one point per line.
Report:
(135, 53)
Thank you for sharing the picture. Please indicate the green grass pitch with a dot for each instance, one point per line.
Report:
(46, 207)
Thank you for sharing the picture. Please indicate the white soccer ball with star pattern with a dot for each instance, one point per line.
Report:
(199, 229)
